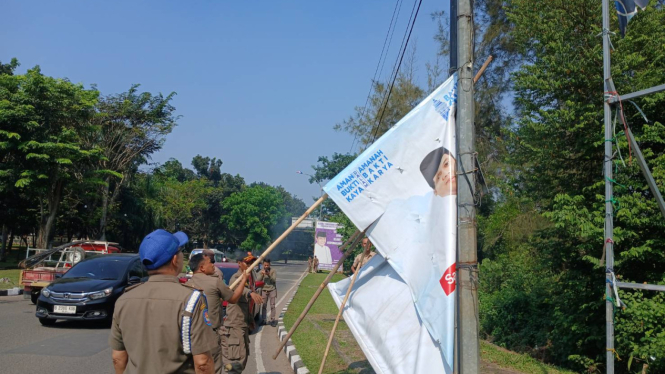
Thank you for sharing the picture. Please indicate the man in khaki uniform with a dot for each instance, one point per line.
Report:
(215, 290)
(211, 255)
(315, 264)
(309, 264)
(235, 332)
(161, 326)
(268, 292)
(367, 246)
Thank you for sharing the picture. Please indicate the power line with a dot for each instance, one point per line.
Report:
(396, 69)
(387, 41)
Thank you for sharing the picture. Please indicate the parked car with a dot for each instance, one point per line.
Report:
(89, 290)
(49, 263)
(219, 255)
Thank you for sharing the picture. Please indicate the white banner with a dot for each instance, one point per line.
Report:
(404, 186)
(382, 317)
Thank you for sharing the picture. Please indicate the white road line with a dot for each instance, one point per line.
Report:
(257, 340)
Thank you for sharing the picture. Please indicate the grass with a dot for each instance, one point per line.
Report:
(312, 335)
(13, 275)
(520, 362)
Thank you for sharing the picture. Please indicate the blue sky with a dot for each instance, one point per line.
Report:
(259, 84)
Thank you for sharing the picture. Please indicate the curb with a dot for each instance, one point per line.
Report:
(12, 292)
(290, 349)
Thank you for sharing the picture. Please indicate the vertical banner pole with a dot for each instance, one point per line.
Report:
(467, 264)
(607, 166)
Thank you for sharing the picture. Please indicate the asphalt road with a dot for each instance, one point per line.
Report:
(69, 347)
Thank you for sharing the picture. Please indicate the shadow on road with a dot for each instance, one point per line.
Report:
(80, 325)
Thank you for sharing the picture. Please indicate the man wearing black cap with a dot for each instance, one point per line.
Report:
(161, 326)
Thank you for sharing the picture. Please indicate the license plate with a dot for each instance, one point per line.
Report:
(64, 309)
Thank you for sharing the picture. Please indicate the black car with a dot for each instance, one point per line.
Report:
(89, 290)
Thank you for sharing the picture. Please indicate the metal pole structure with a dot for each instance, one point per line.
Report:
(453, 36)
(607, 166)
(467, 265)
(642, 163)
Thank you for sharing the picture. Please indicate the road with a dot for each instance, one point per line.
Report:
(68, 347)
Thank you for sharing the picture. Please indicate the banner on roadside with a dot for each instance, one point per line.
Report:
(326, 245)
(402, 189)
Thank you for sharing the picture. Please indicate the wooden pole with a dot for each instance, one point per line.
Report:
(339, 314)
(482, 68)
(281, 237)
(356, 238)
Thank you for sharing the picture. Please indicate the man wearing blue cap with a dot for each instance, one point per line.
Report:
(161, 326)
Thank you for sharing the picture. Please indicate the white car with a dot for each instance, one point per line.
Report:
(219, 255)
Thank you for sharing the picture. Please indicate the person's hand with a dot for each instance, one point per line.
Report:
(257, 298)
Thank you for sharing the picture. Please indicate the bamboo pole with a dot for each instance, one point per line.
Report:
(482, 68)
(281, 237)
(339, 314)
(356, 238)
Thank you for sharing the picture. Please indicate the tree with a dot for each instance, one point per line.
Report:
(42, 150)
(250, 214)
(326, 169)
(131, 127)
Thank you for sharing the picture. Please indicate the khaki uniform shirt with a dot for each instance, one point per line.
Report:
(237, 315)
(356, 263)
(215, 290)
(146, 324)
(270, 281)
(219, 274)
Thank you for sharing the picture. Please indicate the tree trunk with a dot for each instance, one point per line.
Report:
(46, 222)
(105, 209)
(3, 246)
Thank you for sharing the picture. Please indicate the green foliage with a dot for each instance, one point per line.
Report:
(251, 213)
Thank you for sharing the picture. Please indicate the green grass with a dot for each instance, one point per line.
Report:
(312, 335)
(13, 275)
(515, 361)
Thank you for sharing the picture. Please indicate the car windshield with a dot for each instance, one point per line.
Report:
(106, 270)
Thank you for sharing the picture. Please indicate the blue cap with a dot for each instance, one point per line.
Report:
(158, 247)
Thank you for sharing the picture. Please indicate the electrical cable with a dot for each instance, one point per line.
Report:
(412, 20)
(386, 41)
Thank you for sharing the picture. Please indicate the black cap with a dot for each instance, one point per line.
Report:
(430, 164)
(321, 234)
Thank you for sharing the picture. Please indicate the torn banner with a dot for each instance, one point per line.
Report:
(626, 9)
(403, 188)
(382, 317)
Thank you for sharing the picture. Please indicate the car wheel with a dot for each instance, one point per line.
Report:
(34, 295)
(76, 255)
(47, 322)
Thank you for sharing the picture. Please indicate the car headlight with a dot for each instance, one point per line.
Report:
(46, 292)
(100, 294)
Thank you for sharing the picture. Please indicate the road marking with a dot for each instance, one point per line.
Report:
(257, 341)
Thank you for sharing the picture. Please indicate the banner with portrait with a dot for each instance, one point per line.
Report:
(403, 190)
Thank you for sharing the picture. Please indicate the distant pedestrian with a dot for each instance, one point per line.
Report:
(215, 291)
(269, 291)
(161, 326)
(367, 250)
(235, 332)
(310, 265)
(316, 264)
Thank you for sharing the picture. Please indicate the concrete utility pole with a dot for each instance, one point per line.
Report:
(467, 264)
(608, 85)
